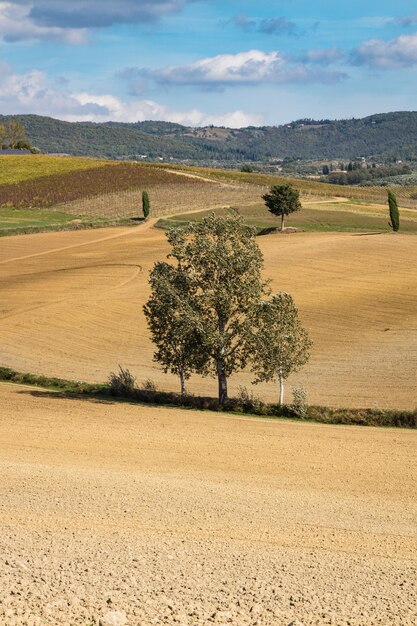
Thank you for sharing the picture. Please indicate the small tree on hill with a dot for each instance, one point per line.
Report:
(173, 324)
(146, 204)
(14, 133)
(280, 344)
(394, 213)
(282, 200)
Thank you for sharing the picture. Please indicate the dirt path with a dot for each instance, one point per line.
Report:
(191, 518)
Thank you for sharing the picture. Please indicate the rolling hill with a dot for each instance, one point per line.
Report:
(386, 136)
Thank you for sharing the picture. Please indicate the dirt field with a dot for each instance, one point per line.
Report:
(71, 306)
(185, 517)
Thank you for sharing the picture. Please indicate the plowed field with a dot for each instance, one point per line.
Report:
(71, 306)
(190, 518)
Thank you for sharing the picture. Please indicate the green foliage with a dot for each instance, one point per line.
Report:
(282, 200)
(394, 213)
(384, 136)
(149, 385)
(213, 292)
(121, 383)
(365, 175)
(15, 134)
(280, 344)
(146, 204)
(174, 324)
(299, 402)
(246, 168)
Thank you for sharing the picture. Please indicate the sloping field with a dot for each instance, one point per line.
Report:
(406, 194)
(71, 306)
(16, 169)
(196, 518)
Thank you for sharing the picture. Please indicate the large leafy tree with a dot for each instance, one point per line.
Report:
(394, 213)
(221, 265)
(174, 325)
(280, 344)
(282, 200)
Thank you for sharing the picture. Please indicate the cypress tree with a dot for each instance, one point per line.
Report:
(146, 204)
(394, 213)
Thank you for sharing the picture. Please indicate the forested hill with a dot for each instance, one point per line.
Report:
(387, 136)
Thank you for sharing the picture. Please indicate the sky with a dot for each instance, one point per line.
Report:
(201, 62)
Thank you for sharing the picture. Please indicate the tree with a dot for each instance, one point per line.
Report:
(326, 170)
(146, 204)
(220, 263)
(248, 169)
(2, 134)
(14, 133)
(282, 200)
(280, 344)
(394, 213)
(173, 324)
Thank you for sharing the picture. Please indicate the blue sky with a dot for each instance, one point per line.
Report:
(204, 62)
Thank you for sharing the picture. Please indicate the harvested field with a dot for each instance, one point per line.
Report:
(71, 306)
(196, 518)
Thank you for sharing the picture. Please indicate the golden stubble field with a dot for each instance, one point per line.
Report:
(71, 306)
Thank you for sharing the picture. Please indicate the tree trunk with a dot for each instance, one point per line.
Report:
(222, 378)
(282, 221)
(182, 381)
(220, 365)
(281, 390)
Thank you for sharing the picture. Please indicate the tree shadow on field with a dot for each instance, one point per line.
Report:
(68, 395)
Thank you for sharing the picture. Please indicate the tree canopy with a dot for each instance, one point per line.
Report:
(282, 200)
(220, 263)
(280, 344)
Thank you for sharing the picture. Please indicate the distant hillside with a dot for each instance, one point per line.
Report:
(386, 136)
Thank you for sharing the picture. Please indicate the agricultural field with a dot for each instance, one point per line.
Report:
(72, 307)
(318, 215)
(55, 193)
(406, 194)
(16, 169)
(192, 518)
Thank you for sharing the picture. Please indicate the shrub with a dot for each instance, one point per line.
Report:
(122, 382)
(299, 405)
(246, 401)
(149, 385)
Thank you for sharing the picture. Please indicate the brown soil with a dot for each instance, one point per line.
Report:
(183, 517)
(71, 306)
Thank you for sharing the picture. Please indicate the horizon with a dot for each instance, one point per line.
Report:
(331, 120)
(200, 63)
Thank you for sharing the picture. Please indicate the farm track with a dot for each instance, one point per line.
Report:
(182, 517)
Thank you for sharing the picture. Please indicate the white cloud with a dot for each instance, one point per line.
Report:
(140, 110)
(16, 25)
(32, 92)
(388, 55)
(252, 67)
